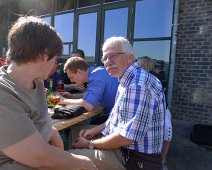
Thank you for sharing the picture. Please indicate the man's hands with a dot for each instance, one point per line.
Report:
(81, 88)
(81, 142)
(85, 135)
(66, 94)
(84, 138)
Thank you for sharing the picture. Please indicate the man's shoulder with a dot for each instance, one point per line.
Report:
(99, 68)
(99, 71)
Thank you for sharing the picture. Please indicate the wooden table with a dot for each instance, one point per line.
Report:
(61, 124)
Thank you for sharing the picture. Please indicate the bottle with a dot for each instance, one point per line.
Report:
(50, 93)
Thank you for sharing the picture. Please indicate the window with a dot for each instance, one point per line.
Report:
(116, 22)
(152, 34)
(158, 52)
(47, 19)
(64, 26)
(67, 48)
(153, 18)
(87, 35)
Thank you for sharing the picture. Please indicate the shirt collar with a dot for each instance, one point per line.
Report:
(128, 74)
(90, 70)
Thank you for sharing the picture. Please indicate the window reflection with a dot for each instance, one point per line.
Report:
(158, 52)
(116, 23)
(153, 18)
(64, 26)
(87, 35)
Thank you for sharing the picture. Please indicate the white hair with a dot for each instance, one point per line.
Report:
(125, 44)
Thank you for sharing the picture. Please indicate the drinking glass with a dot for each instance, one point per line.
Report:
(54, 100)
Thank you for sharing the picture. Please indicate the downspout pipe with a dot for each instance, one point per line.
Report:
(173, 53)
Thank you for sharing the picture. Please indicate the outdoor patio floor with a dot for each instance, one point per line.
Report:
(186, 155)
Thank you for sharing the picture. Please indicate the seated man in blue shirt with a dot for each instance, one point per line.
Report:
(101, 87)
(70, 86)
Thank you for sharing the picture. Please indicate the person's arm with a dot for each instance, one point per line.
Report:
(56, 139)
(68, 87)
(165, 149)
(79, 102)
(33, 151)
(167, 135)
(71, 95)
(112, 141)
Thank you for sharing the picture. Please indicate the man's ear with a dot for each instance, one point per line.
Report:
(79, 71)
(43, 57)
(130, 58)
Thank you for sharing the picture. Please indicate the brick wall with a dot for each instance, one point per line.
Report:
(192, 92)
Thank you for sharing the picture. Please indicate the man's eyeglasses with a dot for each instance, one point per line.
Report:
(111, 57)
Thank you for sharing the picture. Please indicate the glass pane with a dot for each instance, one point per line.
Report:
(159, 52)
(64, 25)
(116, 23)
(47, 19)
(66, 49)
(153, 18)
(83, 3)
(87, 35)
(63, 5)
(44, 7)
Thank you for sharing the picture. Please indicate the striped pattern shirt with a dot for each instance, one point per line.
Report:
(138, 113)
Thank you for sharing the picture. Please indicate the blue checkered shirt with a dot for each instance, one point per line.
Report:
(138, 113)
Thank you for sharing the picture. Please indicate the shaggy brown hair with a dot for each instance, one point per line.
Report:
(31, 37)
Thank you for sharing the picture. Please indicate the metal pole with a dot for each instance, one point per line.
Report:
(173, 53)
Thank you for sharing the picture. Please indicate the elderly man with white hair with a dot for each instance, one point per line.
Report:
(133, 134)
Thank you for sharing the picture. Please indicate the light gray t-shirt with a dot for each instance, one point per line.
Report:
(22, 113)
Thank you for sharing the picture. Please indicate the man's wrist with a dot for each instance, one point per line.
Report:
(91, 146)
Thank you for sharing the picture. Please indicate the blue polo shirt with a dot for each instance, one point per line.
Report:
(101, 89)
